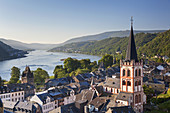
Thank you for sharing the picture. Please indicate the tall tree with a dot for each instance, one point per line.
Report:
(107, 60)
(15, 75)
(71, 64)
(39, 76)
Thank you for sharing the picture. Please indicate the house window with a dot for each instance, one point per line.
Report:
(123, 72)
(128, 83)
(128, 74)
(136, 72)
(136, 99)
(124, 82)
(139, 72)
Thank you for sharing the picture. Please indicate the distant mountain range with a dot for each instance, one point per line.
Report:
(147, 43)
(7, 52)
(26, 46)
(105, 35)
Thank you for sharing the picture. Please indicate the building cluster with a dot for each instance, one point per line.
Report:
(111, 90)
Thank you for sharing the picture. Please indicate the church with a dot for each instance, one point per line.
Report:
(128, 88)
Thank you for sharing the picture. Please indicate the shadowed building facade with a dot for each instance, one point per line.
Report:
(27, 76)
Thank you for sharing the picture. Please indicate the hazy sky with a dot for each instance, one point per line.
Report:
(55, 21)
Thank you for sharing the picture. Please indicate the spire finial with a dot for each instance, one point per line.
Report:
(131, 20)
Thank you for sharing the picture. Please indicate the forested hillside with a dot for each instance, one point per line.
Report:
(109, 45)
(7, 52)
(159, 45)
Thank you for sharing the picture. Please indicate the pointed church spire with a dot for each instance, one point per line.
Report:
(131, 53)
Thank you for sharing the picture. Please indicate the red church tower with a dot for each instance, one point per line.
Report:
(131, 74)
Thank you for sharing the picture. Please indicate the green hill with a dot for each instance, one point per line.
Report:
(109, 45)
(147, 43)
(159, 45)
(7, 52)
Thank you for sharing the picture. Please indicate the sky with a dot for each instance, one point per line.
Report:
(55, 21)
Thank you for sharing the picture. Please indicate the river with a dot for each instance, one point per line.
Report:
(40, 58)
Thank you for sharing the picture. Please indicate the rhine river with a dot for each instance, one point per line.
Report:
(42, 59)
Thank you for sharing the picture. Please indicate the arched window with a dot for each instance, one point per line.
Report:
(128, 83)
(106, 89)
(128, 73)
(139, 98)
(124, 82)
(136, 99)
(139, 83)
(136, 83)
(123, 72)
(136, 73)
(139, 72)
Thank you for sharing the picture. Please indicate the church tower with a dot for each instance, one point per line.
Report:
(27, 76)
(131, 74)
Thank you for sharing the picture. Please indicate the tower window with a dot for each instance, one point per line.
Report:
(139, 83)
(123, 72)
(128, 83)
(139, 72)
(128, 74)
(136, 83)
(123, 83)
(136, 99)
(139, 98)
(136, 73)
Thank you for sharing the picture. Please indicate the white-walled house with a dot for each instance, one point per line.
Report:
(45, 101)
(13, 96)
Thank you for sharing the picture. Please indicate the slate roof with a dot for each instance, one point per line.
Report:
(112, 82)
(124, 96)
(131, 53)
(98, 102)
(25, 105)
(44, 96)
(9, 104)
(69, 108)
(19, 87)
(123, 109)
(86, 95)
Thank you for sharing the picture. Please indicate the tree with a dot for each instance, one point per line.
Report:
(85, 63)
(82, 71)
(71, 64)
(15, 75)
(39, 76)
(107, 60)
(160, 60)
